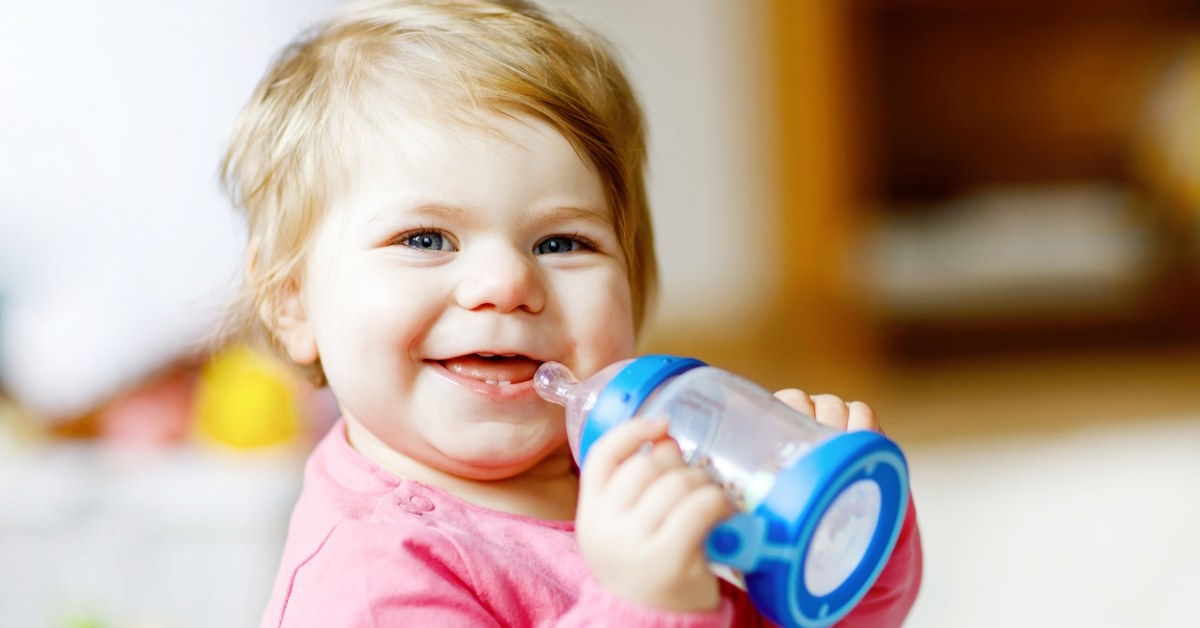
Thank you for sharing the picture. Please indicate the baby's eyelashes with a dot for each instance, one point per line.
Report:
(426, 240)
(563, 244)
(429, 240)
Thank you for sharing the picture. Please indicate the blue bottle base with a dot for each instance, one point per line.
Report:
(774, 547)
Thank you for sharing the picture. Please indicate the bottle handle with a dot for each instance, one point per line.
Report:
(740, 542)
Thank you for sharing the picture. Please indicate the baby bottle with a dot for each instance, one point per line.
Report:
(819, 509)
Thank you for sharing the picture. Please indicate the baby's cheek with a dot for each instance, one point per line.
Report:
(599, 312)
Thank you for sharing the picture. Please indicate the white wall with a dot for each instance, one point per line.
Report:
(116, 245)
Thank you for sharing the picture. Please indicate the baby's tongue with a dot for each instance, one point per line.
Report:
(495, 369)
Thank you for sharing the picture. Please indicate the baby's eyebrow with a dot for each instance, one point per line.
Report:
(570, 213)
(559, 213)
(420, 209)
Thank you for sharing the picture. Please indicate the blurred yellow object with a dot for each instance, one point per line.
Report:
(17, 427)
(84, 621)
(247, 400)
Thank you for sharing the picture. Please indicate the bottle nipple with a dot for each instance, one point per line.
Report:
(553, 382)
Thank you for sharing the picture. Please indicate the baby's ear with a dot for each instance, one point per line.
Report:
(287, 318)
(284, 314)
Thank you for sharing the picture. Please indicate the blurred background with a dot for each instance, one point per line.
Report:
(980, 216)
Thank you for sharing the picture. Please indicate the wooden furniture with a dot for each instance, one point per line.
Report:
(886, 105)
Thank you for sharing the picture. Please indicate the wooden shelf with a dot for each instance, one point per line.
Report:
(895, 106)
(1000, 92)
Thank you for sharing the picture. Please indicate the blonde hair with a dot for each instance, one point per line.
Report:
(454, 59)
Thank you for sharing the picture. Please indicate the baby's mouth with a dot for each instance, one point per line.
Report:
(497, 370)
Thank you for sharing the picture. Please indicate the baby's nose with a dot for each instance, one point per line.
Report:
(502, 278)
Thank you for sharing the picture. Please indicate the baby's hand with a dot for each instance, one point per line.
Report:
(643, 518)
(831, 411)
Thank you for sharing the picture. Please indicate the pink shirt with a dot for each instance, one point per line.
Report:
(366, 548)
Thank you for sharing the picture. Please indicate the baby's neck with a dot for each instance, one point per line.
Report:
(548, 490)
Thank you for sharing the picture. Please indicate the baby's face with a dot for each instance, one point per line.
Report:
(455, 264)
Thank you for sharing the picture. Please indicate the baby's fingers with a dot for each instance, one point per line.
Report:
(831, 411)
(640, 472)
(609, 451)
(689, 522)
(847, 417)
(861, 417)
(666, 492)
(798, 400)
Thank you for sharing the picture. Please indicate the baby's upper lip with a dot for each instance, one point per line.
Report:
(487, 353)
(490, 352)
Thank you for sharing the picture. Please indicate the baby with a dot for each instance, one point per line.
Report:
(441, 196)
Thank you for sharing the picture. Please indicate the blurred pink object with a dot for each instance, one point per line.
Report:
(159, 412)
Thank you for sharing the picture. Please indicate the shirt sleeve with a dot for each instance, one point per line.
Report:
(891, 597)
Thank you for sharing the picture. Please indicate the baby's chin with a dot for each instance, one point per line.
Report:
(502, 459)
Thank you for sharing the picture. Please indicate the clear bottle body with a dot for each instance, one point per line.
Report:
(734, 429)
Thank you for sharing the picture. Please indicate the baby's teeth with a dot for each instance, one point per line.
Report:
(505, 383)
(493, 382)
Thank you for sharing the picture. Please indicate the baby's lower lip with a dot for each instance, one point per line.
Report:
(492, 369)
(496, 390)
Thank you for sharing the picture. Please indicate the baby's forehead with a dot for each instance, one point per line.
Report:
(418, 134)
(414, 117)
(394, 106)
(441, 158)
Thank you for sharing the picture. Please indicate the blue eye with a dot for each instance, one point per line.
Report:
(558, 244)
(427, 241)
